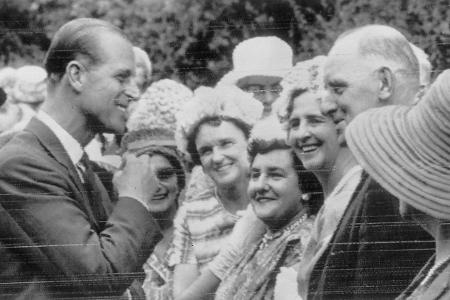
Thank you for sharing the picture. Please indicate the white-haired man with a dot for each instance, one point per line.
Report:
(373, 253)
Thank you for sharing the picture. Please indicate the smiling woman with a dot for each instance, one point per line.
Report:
(277, 183)
(213, 129)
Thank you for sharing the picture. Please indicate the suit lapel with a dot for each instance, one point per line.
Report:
(54, 147)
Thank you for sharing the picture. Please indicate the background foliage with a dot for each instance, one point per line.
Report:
(192, 40)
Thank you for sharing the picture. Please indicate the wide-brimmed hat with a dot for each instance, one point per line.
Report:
(260, 56)
(407, 149)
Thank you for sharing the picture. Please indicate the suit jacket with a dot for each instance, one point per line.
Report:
(374, 253)
(437, 285)
(54, 242)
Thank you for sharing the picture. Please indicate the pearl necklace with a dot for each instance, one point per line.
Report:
(270, 236)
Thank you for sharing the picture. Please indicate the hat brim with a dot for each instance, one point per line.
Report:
(233, 77)
(387, 145)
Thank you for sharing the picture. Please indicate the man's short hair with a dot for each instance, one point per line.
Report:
(387, 43)
(74, 39)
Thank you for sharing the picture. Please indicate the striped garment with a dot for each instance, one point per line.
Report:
(201, 227)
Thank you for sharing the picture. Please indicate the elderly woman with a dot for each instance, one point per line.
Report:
(314, 139)
(406, 149)
(277, 189)
(151, 127)
(213, 130)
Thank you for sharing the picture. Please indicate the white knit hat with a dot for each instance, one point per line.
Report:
(259, 56)
(407, 149)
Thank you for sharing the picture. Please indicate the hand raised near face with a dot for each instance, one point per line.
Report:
(136, 179)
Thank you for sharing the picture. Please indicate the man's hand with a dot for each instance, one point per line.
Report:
(136, 179)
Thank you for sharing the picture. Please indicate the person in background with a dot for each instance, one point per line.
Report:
(143, 67)
(259, 64)
(406, 150)
(8, 79)
(28, 93)
(151, 131)
(212, 129)
(425, 69)
(373, 253)
(277, 189)
(61, 235)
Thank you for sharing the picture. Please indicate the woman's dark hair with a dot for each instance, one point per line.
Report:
(307, 181)
(213, 121)
(291, 96)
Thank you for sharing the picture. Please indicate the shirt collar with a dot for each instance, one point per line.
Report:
(70, 144)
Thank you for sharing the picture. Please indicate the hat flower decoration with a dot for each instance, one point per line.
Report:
(222, 101)
(158, 106)
(305, 75)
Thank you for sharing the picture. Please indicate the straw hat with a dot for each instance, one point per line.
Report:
(259, 56)
(30, 85)
(407, 149)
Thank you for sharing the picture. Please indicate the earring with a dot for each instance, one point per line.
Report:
(306, 197)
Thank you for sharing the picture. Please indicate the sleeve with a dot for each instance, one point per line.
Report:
(182, 251)
(43, 221)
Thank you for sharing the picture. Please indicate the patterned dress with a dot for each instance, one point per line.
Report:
(254, 275)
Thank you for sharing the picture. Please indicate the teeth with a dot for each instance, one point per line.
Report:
(309, 148)
(121, 108)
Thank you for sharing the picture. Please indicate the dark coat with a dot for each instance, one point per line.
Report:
(374, 253)
(437, 285)
(54, 241)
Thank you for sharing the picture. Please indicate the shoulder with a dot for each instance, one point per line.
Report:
(24, 158)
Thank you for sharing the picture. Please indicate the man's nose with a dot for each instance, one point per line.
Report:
(328, 105)
(132, 90)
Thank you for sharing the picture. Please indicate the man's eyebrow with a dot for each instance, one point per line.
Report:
(336, 82)
(124, 72)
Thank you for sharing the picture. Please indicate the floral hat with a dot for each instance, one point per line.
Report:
(307, 75)
(157, 108)
(222, 101)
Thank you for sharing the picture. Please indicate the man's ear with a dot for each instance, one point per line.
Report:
(75, 75)
(386, 83)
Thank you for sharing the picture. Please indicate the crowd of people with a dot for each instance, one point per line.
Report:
(323, 179)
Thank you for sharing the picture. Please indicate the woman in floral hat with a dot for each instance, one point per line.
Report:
(213, 130)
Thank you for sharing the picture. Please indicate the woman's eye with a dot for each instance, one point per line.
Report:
(226, 143)
(294, 123)
(204, 151)
(338, 90)
(254, 175)
(275, 175)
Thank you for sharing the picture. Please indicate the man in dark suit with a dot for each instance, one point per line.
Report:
(373, 253)
(60, 235)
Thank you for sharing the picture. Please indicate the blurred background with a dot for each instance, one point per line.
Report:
(191, 41)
